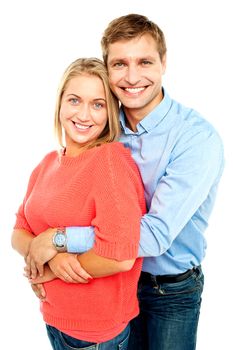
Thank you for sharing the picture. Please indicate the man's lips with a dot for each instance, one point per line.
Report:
(135, 90)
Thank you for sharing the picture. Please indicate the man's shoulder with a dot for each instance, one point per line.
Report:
(189, 115)
(190, 127)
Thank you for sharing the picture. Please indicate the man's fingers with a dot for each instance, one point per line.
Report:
(40, 269)
(33, 267)
(30, 269)
(27, 272)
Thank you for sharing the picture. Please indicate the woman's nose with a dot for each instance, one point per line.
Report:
(83, 113)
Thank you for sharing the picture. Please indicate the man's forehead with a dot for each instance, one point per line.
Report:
(137, 47)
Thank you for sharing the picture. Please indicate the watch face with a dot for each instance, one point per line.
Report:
(60, 240)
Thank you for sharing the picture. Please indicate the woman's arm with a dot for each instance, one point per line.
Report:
(99, 266)
(66, 266)
(42, 250)
(21, 241)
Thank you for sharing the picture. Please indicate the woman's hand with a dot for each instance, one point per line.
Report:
(66, 267)
(39, 290)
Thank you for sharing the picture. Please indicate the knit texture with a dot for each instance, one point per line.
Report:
(101, 187)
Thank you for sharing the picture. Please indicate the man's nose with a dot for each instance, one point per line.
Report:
(133, 75)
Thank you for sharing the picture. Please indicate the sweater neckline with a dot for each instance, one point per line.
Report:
(72, 160)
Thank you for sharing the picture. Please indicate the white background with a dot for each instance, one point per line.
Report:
(38, 40)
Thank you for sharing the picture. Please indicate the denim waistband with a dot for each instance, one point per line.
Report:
(146, 277)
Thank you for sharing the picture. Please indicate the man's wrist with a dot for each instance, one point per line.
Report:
(79, 238)
(59, 240)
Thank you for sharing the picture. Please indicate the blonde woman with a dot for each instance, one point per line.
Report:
(93, 181)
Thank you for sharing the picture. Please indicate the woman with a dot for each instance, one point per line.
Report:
(93, 181)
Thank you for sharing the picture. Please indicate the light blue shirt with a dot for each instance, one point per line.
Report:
(180, 157)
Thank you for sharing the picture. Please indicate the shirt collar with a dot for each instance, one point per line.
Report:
(152, 119)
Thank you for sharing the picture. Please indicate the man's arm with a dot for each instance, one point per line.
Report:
(194, 169)
(80, 239)
(190, 181)
(41, 250)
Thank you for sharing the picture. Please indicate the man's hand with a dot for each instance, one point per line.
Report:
(47, 276)
(41, 250)
(37, 283)
(66, 267)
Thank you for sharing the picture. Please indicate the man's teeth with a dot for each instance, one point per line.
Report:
(84, 127)
(135, 90)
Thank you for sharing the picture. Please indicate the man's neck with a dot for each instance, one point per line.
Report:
(134, 116)
(132, 119)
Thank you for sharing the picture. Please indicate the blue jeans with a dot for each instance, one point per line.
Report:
(169, 315)
(62, 341)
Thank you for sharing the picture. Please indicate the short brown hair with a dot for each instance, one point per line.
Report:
(129, 27)
(90, 67)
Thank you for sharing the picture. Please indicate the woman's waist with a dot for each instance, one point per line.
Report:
(105, 290)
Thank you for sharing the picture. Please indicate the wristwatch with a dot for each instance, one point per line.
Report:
(60, 240)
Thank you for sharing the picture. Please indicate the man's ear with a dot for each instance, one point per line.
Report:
(164, 63)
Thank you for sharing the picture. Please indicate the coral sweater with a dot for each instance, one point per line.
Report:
(101, 187)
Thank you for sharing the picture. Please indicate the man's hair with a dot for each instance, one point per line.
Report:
(129, 27)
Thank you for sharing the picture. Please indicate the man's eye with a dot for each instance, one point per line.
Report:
(118, 64)
(145, 62)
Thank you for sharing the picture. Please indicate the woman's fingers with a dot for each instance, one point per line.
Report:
(39, 291)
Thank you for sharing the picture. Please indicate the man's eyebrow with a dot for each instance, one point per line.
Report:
(117, 59)
(122, 59)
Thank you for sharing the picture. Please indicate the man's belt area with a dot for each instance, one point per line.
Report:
(146, 277)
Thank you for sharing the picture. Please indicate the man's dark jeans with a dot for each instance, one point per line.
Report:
(169, 315)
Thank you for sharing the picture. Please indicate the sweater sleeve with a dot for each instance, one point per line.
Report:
(21, 221)
(119, 203)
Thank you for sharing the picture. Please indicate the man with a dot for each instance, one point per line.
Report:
(180, 157)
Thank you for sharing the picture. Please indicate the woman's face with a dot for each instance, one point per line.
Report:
(83, 112)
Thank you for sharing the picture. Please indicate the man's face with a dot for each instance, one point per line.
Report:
(135, 74)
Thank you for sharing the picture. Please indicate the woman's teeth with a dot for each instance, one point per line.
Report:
(83, 127)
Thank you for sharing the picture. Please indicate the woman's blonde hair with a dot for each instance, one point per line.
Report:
(93, 67)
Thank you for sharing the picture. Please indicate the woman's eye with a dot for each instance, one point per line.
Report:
(98, 105)
(74, 101)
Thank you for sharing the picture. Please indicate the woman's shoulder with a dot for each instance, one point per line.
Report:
(48, 158)
(116, 156)
(115, 149)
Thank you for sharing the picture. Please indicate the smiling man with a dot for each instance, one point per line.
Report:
(136, 79)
